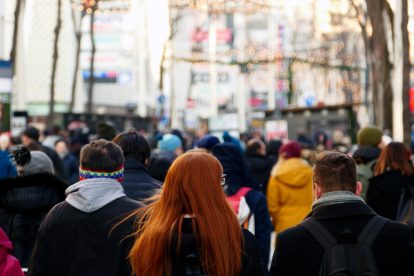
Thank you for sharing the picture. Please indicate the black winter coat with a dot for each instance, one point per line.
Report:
(251, 261)
(71, 242)
(384, 192)
(57, 162)
(138, 184)
(298, 253)
(260, 167)
(24, 202)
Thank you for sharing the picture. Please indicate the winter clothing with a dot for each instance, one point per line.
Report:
(39, 163)
(24, 202)
(272, 150)
(384, 192)
(71, 166)
(7, 169)
(369, 136)
(138, 184)
(298, 253)
(290, 150)
(57, 163)
(366, 158)
(9, 265)
(251, 264)
(78, 236)
(232, 140)
(260, 166)
(237, 176)
(207, 142)
(169, 142)
(289, 193)
(51, 140)
(117, 174)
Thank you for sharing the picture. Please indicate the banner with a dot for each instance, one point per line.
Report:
(5, 95)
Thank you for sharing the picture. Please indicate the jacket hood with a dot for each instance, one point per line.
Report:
(90, 195)
(6, 246)
(293, 172)
(31, 192)
(367, 153)
(234, 166)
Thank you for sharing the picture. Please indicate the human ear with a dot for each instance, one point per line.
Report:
(358, 189)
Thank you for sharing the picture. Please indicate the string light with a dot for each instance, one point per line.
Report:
(223, 6)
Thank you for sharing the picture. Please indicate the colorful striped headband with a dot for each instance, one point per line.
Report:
(118, 174)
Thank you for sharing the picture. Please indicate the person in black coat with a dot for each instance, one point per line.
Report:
(237, 176)
(90, 232)
(26, 199)
(392, 172)
(30, 139)
(138, 184)
(260, 165)
(344, 215)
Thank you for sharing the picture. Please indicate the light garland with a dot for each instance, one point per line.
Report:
(223, 6)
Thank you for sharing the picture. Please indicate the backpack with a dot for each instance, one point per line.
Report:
(405, 211)
(242, 209)
(347, 259)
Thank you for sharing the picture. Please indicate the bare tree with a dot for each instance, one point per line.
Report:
(406, 75)
(92, 64)
(17, 12)
(54, 63)
(78, 36)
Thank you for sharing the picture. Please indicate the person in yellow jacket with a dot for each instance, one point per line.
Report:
(289, 192)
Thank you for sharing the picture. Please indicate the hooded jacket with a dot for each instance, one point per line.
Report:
(78, 236)
(385, 190)
(289, 193)
(260, 167)
(24, 202)
(138, 184)
(9, 265)
(237, 175)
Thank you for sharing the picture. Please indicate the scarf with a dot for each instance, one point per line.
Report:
(118, 174)
(335, 198)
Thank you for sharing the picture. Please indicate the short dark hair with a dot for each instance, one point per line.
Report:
(101, 155)
(335, 171)
(133, 145)
(32, 133)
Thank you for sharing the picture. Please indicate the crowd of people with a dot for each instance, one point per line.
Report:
(75, 203)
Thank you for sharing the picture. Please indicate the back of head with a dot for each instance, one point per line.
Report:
(31, 133)
(394, 156)
(30, 163)
(255, 146)
(133, 145)
(105, 131)
(273, 147)
(369, 136)
(335, 171)
(290, 150)
(101, 158)
(192, 187)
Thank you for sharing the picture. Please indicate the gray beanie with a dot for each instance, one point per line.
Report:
(39, 162)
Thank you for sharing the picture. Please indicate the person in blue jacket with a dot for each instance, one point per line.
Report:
(238, 176)
(7, 168)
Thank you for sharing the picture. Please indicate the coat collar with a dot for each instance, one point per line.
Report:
(131, 164)
(341, 210)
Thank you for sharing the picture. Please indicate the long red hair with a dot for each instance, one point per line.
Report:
(394, 156)
(193, 187)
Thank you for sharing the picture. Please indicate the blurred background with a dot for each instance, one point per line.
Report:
(272, 67)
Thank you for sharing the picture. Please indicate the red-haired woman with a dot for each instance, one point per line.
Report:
(392, 171)
(191, 228)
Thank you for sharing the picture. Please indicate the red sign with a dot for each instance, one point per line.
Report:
(412, 99)
(199, 35)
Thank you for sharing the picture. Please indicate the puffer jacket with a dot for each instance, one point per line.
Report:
(289, 193)
(9, 265)
(24, 202)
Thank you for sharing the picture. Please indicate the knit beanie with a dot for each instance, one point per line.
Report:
(208, 142)
(290, 150)
(169, 142)
(369, 136)
(29, 163)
